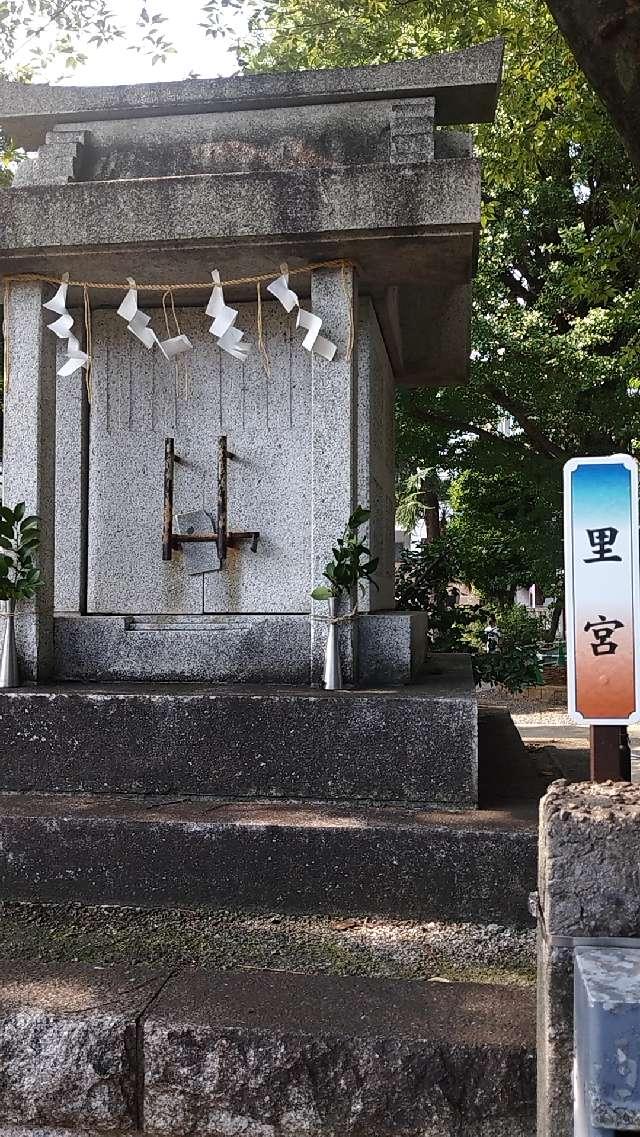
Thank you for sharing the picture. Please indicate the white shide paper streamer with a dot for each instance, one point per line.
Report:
(229, 337)
(310, 323)
(138, 324)
(75, 358)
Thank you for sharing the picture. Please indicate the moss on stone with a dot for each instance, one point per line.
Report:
(238, 940)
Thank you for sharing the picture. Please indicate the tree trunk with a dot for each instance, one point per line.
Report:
(604, 36)
(558, 608)
(431, 515)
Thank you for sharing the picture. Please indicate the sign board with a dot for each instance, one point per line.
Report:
(602, 581)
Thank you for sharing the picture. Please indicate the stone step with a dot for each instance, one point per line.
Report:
(230, 939)
(168, 1053)
(410, 745)
(156, 852)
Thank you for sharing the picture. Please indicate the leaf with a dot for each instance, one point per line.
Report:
(322, 593)
(358, 517)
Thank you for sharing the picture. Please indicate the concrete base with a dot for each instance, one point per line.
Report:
(390, 647)
(411, 746)
(97, 1050)
(294, 858)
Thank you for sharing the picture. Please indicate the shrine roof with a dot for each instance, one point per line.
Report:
(465, 85)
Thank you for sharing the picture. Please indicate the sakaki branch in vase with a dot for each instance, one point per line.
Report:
(19, 580)
(350, 571)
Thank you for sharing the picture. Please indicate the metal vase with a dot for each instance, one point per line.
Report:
(332, 678)
(9, 676)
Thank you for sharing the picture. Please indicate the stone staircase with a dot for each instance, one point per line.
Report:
(355, 805)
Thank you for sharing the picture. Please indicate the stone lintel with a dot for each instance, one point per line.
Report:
(313, 204)
(465, 85)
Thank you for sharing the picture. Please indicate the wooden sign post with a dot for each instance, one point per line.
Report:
(602, 582)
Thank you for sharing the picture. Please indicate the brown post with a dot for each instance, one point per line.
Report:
(610, 754)
(167, 525)
(222, 499)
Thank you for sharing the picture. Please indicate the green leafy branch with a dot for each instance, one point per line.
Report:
(19, 541)
(352, 565)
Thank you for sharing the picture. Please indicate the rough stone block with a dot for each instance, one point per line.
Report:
(68, 1046)
(296, 858)
(277, 1055)
(588, 887)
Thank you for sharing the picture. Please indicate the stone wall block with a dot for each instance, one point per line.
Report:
(56, 163)
(412, 131)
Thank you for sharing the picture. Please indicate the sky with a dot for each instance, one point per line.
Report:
(194, 52)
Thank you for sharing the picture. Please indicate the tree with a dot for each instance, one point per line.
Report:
(556, 363)
(605, 39)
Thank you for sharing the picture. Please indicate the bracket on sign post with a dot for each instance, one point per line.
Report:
(602, 581)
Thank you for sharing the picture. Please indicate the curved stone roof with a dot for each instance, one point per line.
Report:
(465, 84)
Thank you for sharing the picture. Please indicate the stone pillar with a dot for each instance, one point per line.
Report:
(29, 458)
(588, 888)
(72, 444)
(334, 439)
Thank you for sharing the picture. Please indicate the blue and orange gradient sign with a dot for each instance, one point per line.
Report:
(602, 589)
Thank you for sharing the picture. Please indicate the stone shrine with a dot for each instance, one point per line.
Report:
(165, 183)
(171, 748)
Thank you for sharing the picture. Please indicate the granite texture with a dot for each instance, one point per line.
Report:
(588, 886)
(333, 430)
(392, 647)
(68, 1040)
(264, 1054)
(464, 83)
(56, 163)
(216, 207)
(278, 1055)
(222, 649)
(304, 857)
(71, 500)
(266, 420)
(412, 131)
(414, 745)
(230, 649)
(292, 137)
(376, 454)
(29, 461)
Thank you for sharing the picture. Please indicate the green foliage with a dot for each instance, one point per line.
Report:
(425, 581)
(19, 541)
(508, 532)
(555, 369)
(352, 563)
(516, 664)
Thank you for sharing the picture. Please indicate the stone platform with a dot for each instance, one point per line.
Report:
(93, 1050)
(414, 745)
